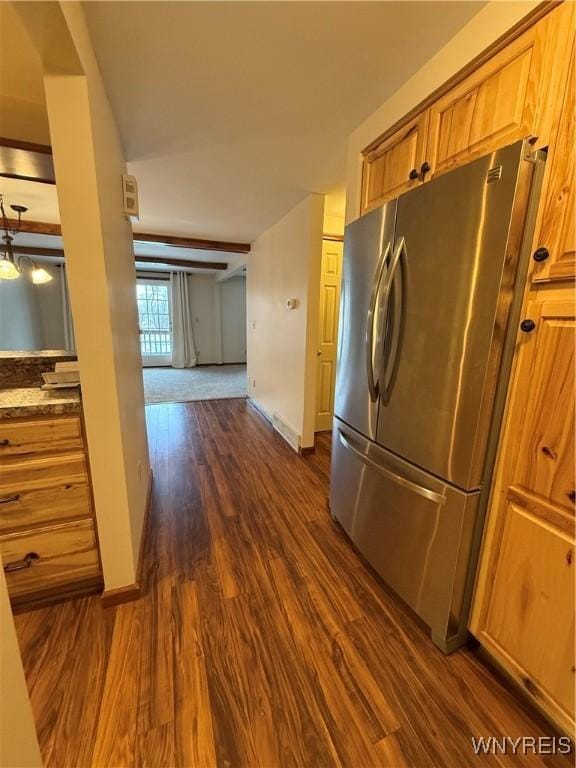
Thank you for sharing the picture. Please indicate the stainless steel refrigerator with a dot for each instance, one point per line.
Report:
(429, 314)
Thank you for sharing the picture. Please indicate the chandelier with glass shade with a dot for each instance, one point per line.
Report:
(12, 266)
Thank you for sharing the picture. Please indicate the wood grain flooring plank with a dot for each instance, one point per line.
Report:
(156, 748)
(389, 752)
(117, 728)
(341, 714)
(156, 684)
(83, 689)
(192, 727)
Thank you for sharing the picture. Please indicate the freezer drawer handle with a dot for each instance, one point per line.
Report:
(419, 489)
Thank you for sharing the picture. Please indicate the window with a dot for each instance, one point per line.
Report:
(155, 321)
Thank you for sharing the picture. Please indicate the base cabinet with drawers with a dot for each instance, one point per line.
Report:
(48, 536)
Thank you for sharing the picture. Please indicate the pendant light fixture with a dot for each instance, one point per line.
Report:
(12, 266)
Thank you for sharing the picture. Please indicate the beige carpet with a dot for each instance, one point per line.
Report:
(213, 382)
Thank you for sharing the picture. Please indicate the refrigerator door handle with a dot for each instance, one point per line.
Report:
(399, 252)
(372, 383)
(419, 489)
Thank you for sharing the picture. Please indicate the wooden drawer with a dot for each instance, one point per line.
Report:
(41, 436)
(37, 508)
(57, 556)
(48, 472)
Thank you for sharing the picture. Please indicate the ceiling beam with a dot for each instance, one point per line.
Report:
(22, 250)
(195, 243)
(220, 265)
(29, 146)
(35, 227)
(192, 242)
(26, 161)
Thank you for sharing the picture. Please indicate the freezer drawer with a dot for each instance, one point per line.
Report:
(415, 530)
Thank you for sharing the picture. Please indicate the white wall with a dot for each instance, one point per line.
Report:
(20, 319)
(22, 102)
(233, 314)
(285, 263)
(32, 316)
(482, 30)
(18, 742)
(206, 313)
(50, 298)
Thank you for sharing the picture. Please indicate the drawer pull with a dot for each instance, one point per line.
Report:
(8, 499)
(26, 562)
(4, 443)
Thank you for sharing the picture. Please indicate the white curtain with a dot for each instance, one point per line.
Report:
(69, 341)
(183, 349)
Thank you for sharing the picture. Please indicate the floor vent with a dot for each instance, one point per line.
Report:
(291, 437)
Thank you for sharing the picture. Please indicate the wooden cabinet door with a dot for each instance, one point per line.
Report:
(544, 440)
(556, 231)
(524, 603)
(494, 106)
(388, 167)
(530, 616)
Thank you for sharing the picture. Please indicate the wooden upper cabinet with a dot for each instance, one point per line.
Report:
(556, 230)
(514, 94)
(395, 165)
(494, 106)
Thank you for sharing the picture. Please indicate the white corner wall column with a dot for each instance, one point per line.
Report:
(89, 162)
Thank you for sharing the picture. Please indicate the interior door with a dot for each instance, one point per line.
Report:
(367, 247)
(451, 251)
(155, 319)
(328, 333)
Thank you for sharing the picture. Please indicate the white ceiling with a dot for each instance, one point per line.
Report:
(232, 112)
(40, 199)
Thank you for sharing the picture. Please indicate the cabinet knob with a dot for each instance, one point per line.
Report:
(527, 326)
(413, 174)
(424, 168)
(541, 254)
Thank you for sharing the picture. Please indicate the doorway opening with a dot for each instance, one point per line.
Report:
(208, 317)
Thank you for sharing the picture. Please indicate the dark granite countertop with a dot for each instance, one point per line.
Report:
(25, 369)
(33, 401)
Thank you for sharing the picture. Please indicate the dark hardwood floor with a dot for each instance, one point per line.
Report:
(261, 639)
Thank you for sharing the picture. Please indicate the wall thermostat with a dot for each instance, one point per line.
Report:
(130, 196)
(291, 303)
